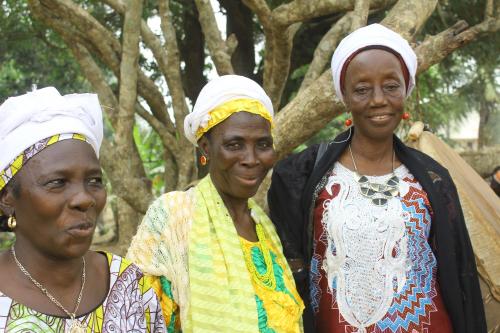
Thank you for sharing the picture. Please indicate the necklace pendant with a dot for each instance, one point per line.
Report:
(76, 327)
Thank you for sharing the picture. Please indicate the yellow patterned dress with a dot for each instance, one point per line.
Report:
(130, 306)
(212, 280)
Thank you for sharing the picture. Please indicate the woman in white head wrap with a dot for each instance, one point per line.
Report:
(51, 194)
(377, 224)
(216, 252)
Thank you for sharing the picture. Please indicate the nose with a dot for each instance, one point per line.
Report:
(250, 157)
(81, 199)
(378, 97)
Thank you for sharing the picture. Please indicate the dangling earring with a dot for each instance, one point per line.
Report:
(405, 116)
(348, 123)
(11, 222)
(203, 160)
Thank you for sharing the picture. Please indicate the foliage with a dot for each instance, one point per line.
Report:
(6, 240)
(151, 152)
(31, 54)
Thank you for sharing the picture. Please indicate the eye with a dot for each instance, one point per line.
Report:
(96, 181)
(265, 144)
(55, 183)
(362, 91)
(391, 87)
(233, 145)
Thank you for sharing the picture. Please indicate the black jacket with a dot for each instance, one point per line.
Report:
(296, 181)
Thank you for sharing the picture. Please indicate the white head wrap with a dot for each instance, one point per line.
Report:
(373, 34)
(217, 92)
(37, 115)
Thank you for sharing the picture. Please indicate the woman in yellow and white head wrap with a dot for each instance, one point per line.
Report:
(51, 194)
(215, 251)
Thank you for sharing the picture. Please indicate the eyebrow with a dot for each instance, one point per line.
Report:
(241, 138)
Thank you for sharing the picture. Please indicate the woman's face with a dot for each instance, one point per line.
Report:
(240, 151)
(61, 195)
(375, 92)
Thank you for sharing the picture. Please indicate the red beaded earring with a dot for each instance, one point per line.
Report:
(405, 116)
(203, 160)
(348, 123)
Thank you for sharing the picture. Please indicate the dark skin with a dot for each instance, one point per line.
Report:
(240, 152)
(60, 197)
(374, 94)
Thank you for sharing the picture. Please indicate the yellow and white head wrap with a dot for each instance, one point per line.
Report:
(220, 98)
(33, 121)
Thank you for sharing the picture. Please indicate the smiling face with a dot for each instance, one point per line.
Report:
(61, 195)
(240, 151)
(375, 93)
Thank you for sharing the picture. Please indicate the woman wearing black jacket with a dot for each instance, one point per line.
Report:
(372, 228)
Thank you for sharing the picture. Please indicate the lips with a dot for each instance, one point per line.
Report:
(249, 180)
(381, 118)
(81, 230)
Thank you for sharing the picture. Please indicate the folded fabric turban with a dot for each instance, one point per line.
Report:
(30, 118)
(220, 98)
(372, 35)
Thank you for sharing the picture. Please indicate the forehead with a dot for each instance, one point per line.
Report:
(373, 62)
(243, 124)
(67, 155)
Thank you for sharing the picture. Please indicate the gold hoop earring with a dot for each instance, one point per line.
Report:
(11, 222)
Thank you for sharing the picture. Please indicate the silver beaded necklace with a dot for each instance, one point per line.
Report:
(75, 326)
(377, 193)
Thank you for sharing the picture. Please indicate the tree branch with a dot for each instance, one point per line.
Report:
(128, 75)
(300, 10)
(361, 10)
(167, 139)
(435, 48)
(162, 59)
(264, 14)
(314, 106)
(172, 69)
(122, 181)
(96, 78)
(68, 18)
(184, 152)
(282, 51)
(408, 16)
(216, 46)
(325, 48)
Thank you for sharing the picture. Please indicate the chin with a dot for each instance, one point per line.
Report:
(76, 250)
(247, 194)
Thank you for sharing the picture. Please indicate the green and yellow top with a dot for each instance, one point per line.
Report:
(212, 280)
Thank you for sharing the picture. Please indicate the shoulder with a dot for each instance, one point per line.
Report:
(434, 169)
(118, 265)
(162, 212)
(298, 163)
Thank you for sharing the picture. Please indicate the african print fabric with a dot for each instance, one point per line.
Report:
(189, 240)
(373, 269)
(16, 165)
(130, 306)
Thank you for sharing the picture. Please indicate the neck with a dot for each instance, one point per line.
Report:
(372, 150)
(237, 207)
(372, 157)
(50, 271)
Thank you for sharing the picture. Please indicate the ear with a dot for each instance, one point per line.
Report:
(204, 145)
(7, 201)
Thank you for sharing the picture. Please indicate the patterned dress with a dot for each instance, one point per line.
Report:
(373, 269)
(130, 306)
